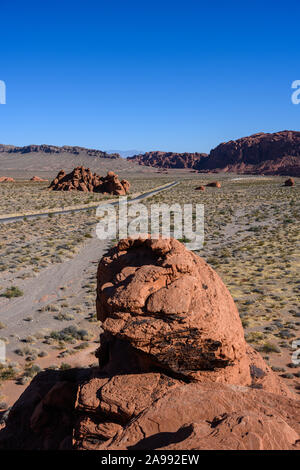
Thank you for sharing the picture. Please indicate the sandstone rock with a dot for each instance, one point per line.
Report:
(214, 184)
(82, 179)
(175, 314)
(268, 154)
(170, 159)
(289, 182)
(214, 416)
(37, 179)
(6, 179)
(174, 369)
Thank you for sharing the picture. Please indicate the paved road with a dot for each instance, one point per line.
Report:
(7, 220)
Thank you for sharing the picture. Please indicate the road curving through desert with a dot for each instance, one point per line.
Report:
(140, 197)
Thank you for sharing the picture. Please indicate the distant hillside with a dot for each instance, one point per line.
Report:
(54, 149)
(46, 161)
(170, 159)
(269, 154)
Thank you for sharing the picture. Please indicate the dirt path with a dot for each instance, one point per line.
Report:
(5, 219)
(46, 288)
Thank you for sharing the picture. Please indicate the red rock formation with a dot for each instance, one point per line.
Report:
(289, 182)
(269, 154)
(169, 159)
(174, 369)
(6, 179)
(213, 416)
(37, 179)
(82, 179)
(214, 184)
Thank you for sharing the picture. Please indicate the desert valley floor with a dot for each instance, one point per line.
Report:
(48, 268)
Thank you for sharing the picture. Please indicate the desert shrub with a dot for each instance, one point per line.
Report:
(270, 347)
(11, 292)
(65, 366)
(70, 333)
(32, 370)
(7, 372)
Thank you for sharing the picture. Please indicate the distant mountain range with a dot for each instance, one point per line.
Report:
(268, 154)
(55, 149)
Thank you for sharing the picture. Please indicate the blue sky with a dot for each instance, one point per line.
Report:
(168, 75)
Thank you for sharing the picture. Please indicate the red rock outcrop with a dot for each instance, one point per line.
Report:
(82, 179)
(289, 182)
(174, 369)
(6, 179)
(214, 184)
(170, 159)
(37, 179)
(213, 416)
(268, 154)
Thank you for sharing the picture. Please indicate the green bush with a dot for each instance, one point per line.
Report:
(11, 292)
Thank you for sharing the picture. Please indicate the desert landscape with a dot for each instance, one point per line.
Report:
(50, 321)
(149, 232)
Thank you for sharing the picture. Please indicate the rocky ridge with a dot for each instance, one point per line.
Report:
(170, 159)
(261, 153)
(50, 149)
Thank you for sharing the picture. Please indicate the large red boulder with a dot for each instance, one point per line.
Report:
(289, 182)
(175, 313)
(37, 179)
(214, 184)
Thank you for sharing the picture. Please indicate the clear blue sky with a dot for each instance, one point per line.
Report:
(168, 75)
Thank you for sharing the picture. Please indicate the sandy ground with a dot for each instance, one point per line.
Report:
(45, 288)
(48, 165)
